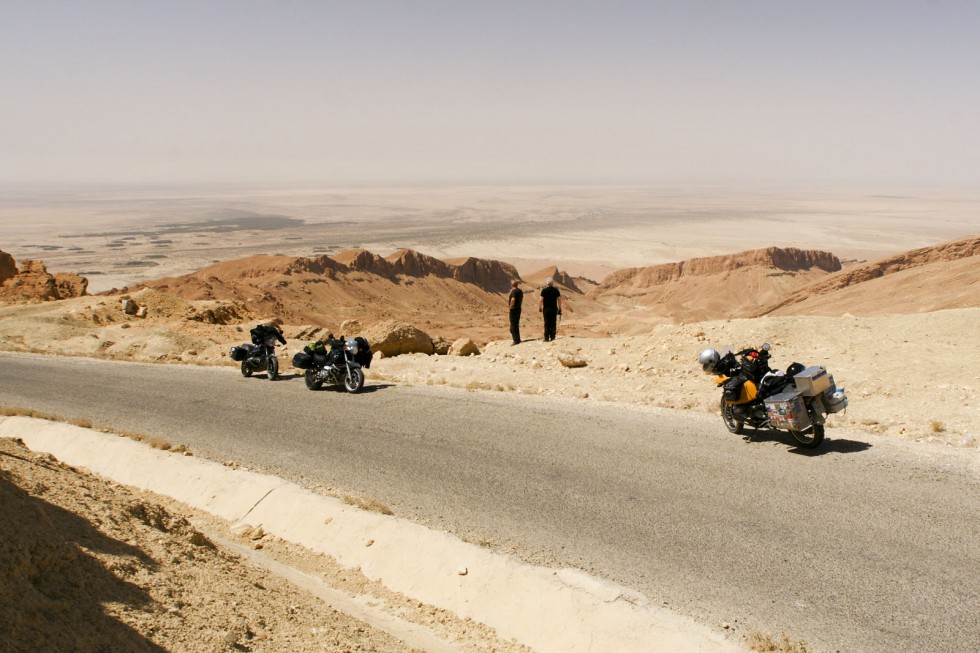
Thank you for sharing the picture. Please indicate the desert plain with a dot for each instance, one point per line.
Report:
(882, 287)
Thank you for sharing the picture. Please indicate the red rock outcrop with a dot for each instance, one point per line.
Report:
(716, 287)
(637, 280)
(391, 338)
(415, 264)
(8, 266)
(946, 265)
(560, 277)
(365, 261)
(323, 265)
(33, 282)
(458, 296)
(494, 276)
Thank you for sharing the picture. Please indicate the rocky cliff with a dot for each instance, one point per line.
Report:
(631, 281)
(33, 282)
(953, 266)
(354, 284)
(560, 277)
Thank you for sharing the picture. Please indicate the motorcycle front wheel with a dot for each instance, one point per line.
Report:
(311, 381)
(246, 370)
(354, 380)
(272, 368)
(733, 425)
(809, 438)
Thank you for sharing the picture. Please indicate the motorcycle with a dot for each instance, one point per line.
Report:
(260, 355)
(797, 400)
(341, 364)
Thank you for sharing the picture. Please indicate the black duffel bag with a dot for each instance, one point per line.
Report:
(302, 360)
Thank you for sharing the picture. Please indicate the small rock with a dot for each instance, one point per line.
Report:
(462, 571)
(571, 361)
(369, 543)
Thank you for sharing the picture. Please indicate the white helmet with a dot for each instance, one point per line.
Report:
(709, 359)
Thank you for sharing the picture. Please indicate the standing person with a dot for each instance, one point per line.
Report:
(514, 301)
(549, 305)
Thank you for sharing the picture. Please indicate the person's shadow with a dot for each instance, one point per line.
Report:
(53, 590)
(833, 445)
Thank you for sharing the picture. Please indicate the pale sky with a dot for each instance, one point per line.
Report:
(362, 91)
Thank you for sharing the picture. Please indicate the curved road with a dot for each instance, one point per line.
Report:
(867, 545)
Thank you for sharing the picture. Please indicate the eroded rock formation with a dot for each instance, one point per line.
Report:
(33, 282)
(631, 280)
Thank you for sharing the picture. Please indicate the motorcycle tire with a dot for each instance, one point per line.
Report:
(311, 381)
(809, 438)
(354, 381)
(246, 369)
(733, 425)
(272, 368)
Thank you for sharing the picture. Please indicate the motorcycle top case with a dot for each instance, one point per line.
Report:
(812, 381)
(302, 360)
(787, 410)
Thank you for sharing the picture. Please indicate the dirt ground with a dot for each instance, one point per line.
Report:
(89, 565)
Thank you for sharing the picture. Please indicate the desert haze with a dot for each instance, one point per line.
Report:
(883, 290)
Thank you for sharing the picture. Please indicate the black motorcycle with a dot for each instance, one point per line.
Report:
(341, 363)
(260, 355)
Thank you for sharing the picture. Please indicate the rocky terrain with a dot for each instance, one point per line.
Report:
(33, 282)
(919, 281)
(736, 285)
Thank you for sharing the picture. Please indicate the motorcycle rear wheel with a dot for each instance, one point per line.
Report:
(809, 438)
(354, 381)
(272, 368)
(246, 370)
(311, 381)
(733, 425)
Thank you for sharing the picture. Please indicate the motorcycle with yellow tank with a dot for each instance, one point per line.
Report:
(753, 394)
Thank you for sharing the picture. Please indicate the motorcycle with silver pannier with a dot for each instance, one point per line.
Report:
(797, 400)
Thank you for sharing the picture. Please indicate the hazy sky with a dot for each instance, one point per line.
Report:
(852, 91)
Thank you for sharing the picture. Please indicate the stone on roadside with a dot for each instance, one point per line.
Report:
(395, 338)
(464, 347)
(568, 360)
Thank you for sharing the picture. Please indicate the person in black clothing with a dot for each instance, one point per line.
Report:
(514, 301)
(549, 305)
(263, 334)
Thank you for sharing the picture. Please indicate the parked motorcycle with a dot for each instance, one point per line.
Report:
(797, 400)
(260, 355)
(342, 363)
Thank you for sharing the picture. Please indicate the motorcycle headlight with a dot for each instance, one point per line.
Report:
(352, 346)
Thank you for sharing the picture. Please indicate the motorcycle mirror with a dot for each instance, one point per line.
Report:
(766, 347)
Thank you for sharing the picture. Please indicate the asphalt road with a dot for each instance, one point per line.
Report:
(866, 545)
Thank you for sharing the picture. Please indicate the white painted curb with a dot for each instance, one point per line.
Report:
(551, 611)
